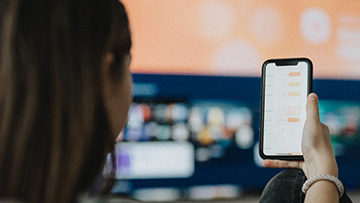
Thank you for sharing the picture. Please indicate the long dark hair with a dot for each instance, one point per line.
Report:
(54, 130)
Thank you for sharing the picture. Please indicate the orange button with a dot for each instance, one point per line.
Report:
(293, 120)
(294, 84)
(294, 94)
(294, 74)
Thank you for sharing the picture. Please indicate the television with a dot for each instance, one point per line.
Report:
(193, 128)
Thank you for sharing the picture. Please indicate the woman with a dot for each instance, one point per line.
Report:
(64, 95)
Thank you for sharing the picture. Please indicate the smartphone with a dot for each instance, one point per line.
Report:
(285, 86)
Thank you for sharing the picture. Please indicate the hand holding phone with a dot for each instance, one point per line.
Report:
(286, 84)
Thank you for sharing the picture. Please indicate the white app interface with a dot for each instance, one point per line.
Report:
(285, 108)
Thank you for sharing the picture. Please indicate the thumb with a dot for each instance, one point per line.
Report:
(312, 108)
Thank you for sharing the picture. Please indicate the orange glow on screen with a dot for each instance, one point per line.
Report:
(232, 37)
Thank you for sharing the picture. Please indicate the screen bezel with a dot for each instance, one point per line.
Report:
(280, 62)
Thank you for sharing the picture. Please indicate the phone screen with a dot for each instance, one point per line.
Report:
(286, 85)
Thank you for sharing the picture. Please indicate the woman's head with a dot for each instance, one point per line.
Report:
(64, 92)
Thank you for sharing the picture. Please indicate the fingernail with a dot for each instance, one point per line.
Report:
(312, 97)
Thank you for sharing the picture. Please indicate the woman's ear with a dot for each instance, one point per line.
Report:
(107, 62)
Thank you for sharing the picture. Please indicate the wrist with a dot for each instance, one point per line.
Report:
(320, 163)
